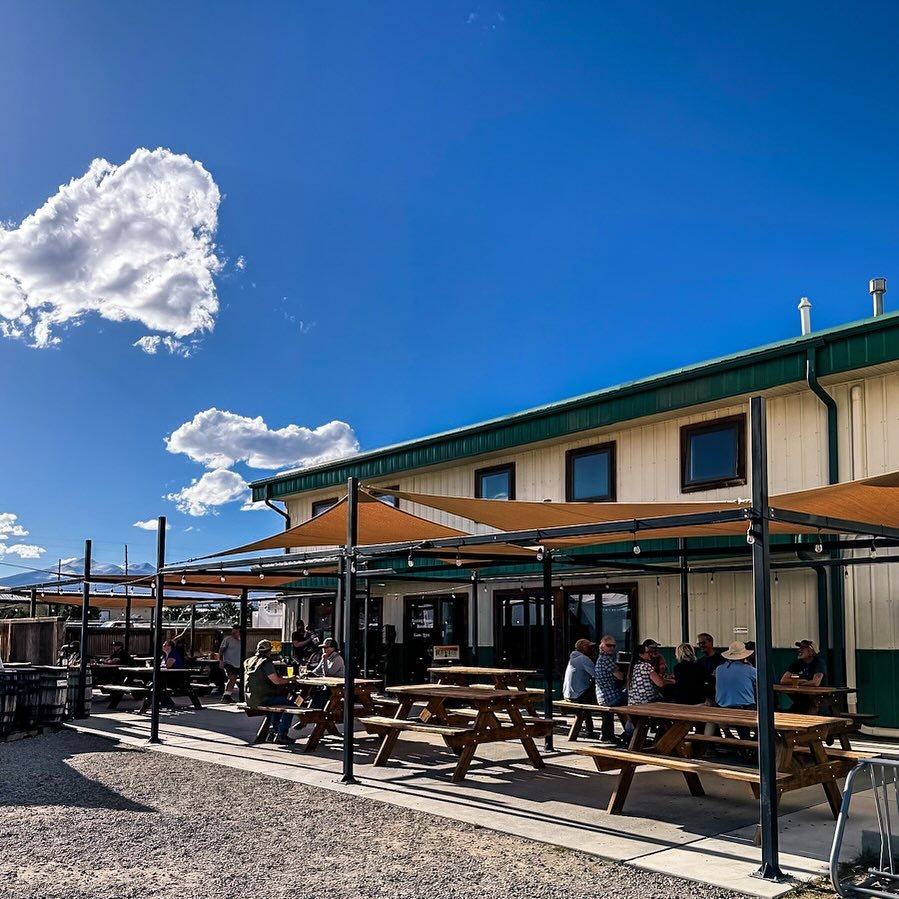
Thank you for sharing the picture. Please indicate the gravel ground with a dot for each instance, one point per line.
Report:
(81, 818)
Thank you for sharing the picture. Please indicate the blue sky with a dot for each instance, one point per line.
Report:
(447, 212)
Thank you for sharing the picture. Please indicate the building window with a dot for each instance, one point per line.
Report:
(497, 482)
(386, 498)
(323, 505)
(713, 454)
(519, 629)
(590, 474)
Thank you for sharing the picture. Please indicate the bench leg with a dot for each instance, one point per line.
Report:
(262, 733)
(318, 731)
(114, 700)
(195, 700)
(465, 758)
(576, 726)
(386, 748)
(147, 702)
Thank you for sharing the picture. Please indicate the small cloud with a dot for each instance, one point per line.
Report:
(10, 528)
(241, 263)
(204, 494)
(151, 524)
(190, 528)
(250, 506)
(152, 343)
(472, 18)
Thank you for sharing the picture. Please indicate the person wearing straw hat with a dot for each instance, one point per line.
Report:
(736, 679)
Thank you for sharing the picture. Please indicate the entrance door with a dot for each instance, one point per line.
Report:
(592, 614)
(433, 621)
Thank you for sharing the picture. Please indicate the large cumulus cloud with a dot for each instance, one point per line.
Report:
(129, 242)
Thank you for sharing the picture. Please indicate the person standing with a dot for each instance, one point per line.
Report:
(230, 661)
(609, 685)
(577, 684)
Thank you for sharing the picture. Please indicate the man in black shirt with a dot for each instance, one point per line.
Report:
(118, 656)
(807, 671)
(708, 660)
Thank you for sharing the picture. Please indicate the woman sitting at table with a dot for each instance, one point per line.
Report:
(689, 677)
(660, 667)
(171, 656)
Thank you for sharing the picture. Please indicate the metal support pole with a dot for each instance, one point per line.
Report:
(243, 642)
(366, 611)
(350, 619)
(684, 591)
(548, 644)
(32, 610)
(127, 606)
(761, 582)
(157, 629)
(193, 630)
(475, 624)
(80, 705)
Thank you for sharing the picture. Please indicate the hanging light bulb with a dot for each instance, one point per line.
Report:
(458, 561)
(183, 580)
(305, 572)
(261, 575)
(222, 578)
(712, 578)
(410, 561)
(541, 554)
(776, 581)
(819, 546)
(658, 583)
(637, 549)
(873, 549)
(750, 537)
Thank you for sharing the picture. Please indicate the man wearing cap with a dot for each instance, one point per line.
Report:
(806, 671)
(118, 656)
(331, 664)
(264, 686)
(229, 661)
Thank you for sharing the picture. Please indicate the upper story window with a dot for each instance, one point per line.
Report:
(386, 498)
(713, 454)
(590, 474)
(322, 505)
(497, 482)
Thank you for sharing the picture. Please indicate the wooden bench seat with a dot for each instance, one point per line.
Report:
(117, 693)
(610, 759)
(852, 755)
(381, 724)
(580, 710)
(736, 742)
(857, 718)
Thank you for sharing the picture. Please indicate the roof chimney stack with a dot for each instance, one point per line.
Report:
(805, 315)
(877, 288)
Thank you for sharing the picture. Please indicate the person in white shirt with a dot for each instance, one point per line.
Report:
(230, 660)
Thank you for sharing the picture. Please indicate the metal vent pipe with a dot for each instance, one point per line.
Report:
(877, 287)
(805, 315)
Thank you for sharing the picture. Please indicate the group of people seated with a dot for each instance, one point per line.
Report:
(265, 687)
(702, 675)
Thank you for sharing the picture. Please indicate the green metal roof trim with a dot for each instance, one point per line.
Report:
(842, 349)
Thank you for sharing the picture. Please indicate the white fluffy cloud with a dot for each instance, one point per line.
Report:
(10, 528)
(151, 524)
(129, 242)
(152, 343)
(219, 439)
(214, 488)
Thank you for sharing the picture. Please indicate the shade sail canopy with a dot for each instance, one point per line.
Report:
(378, 523)
(226, 583)
(115, 601)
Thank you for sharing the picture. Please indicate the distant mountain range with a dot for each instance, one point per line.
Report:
(75, 566)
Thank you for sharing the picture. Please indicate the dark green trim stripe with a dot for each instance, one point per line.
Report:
(840, 350)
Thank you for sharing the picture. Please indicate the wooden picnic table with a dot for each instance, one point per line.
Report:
(323, 720)
(502, 679)
(802, 758)
(138, 681)
(456, 728)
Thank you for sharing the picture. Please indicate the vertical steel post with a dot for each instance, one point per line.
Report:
(475, 624)
(684, 591)
(157, 629)
(365, 616)
(549, 662)
(243, 642)
(349, 617)
(193, 629)
(761, 582)
(127, 641)
(32, 610)
(80, 705)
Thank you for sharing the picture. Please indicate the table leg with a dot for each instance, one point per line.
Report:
(575, 731)
(320, 728)
(831, 788)
(194, 699)
(466, 754)
(526, 739)
(672, 742)
(626, 775)
(262, 733)
(388, 740)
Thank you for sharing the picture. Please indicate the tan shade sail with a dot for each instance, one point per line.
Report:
(108, 601)
(378, 523)
(232, 585)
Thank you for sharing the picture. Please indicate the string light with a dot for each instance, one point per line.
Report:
(222, 578)
(541, 554)
(712, 578)
(305, 572)
(750, 537)
(873, 549)
(819, 546)
(410, 561)
(637, 549)
(658, 583)
(183, 580)
(776, 581)
(458, 561)
(261, 575)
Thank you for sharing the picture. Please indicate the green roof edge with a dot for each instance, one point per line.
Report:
(841, 349)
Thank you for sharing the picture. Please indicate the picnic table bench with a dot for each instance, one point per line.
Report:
(497, 717)
(324, 720)
(802, 758)
(581, 710)
(139, 683)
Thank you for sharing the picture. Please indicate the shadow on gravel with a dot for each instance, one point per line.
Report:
(36, 772)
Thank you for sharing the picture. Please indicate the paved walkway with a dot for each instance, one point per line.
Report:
(665, 829)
